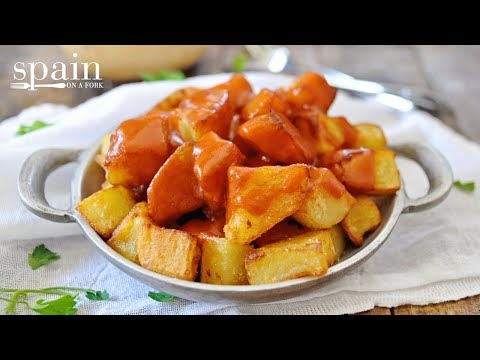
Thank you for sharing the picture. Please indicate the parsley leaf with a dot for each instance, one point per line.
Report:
(25, 129)
(469, 186)
(239, 62)
(160, 296)
(97, 295)
(163, 75)
(41, 256)
(64, 305)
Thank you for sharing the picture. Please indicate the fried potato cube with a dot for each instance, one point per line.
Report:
(334, 133)
(105, 209)
(276, 137)
(284, 229)
(370, 136)
(311, 89)
(362, 218)
(265, 102)
(387, 177)
(105, 145)
(124, 238)
(339, 240)
(173, 191)
(137, 150)
(213, 156)
(223, 262)
(290, 259)
(259, 198)
(326, 203)
(169, 252)
(200, 227)
(239, 90)
(173, 100)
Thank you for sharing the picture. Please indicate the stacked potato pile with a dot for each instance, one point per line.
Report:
(227, 187)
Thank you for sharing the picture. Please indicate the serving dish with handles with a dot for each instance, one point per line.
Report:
(89, 177)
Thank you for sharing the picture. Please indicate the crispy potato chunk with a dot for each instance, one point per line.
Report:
(387, 177)
(199, 227)
(264, 103)
(304, 255)
(173, 191)
(105, 209)
(213, 157)
(137, 150)
(239, 90)
(259, 198)
(276, 137)
(204, 111)
(285, 229)
(365, 171)
(370, 136)
(223, 262)
(339, 240)
(167, 251)
(334, 133)
(311, 89)
(173, 100)
(326, 203)
(124, 238)
(362, 218)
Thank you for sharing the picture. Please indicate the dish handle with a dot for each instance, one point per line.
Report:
(438, 171)
(31, 182)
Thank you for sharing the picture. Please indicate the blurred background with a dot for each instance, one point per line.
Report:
(453, 72)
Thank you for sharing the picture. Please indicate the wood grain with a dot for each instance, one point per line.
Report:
(467, 306)
(377, 311)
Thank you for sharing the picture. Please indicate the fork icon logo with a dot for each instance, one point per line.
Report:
(71, 75)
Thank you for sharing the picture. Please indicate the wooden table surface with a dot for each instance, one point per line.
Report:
(452, 71)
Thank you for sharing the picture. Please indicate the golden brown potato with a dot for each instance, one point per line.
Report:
(362, 218)
(259, 198)
(204, 111)
(370, 136)
(365, 171)
(326, 203)
(124, 238)
(137, 150)
(167, 251)
(387, 177)
(276, 137)
(264, 103)
(284, 229)
(173, 191)
(339, 240)
(173, 100)
(223, 262)
(334, 133)
(105, 145)
(105, 209)
(311, 89)
(290, 259)
(213, 156)
(239, 90)
(199, 227)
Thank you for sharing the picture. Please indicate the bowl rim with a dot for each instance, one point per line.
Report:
(379, 236)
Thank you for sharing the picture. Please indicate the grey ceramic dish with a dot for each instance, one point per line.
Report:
(89, 176)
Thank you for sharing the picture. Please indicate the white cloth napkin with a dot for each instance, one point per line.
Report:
(430, 257)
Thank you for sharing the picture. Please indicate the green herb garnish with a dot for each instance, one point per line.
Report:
(239, 62)
(469, 186)
(37, 125)
(41, 256)
(160, 296)
(163, 75)
(65, 304)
